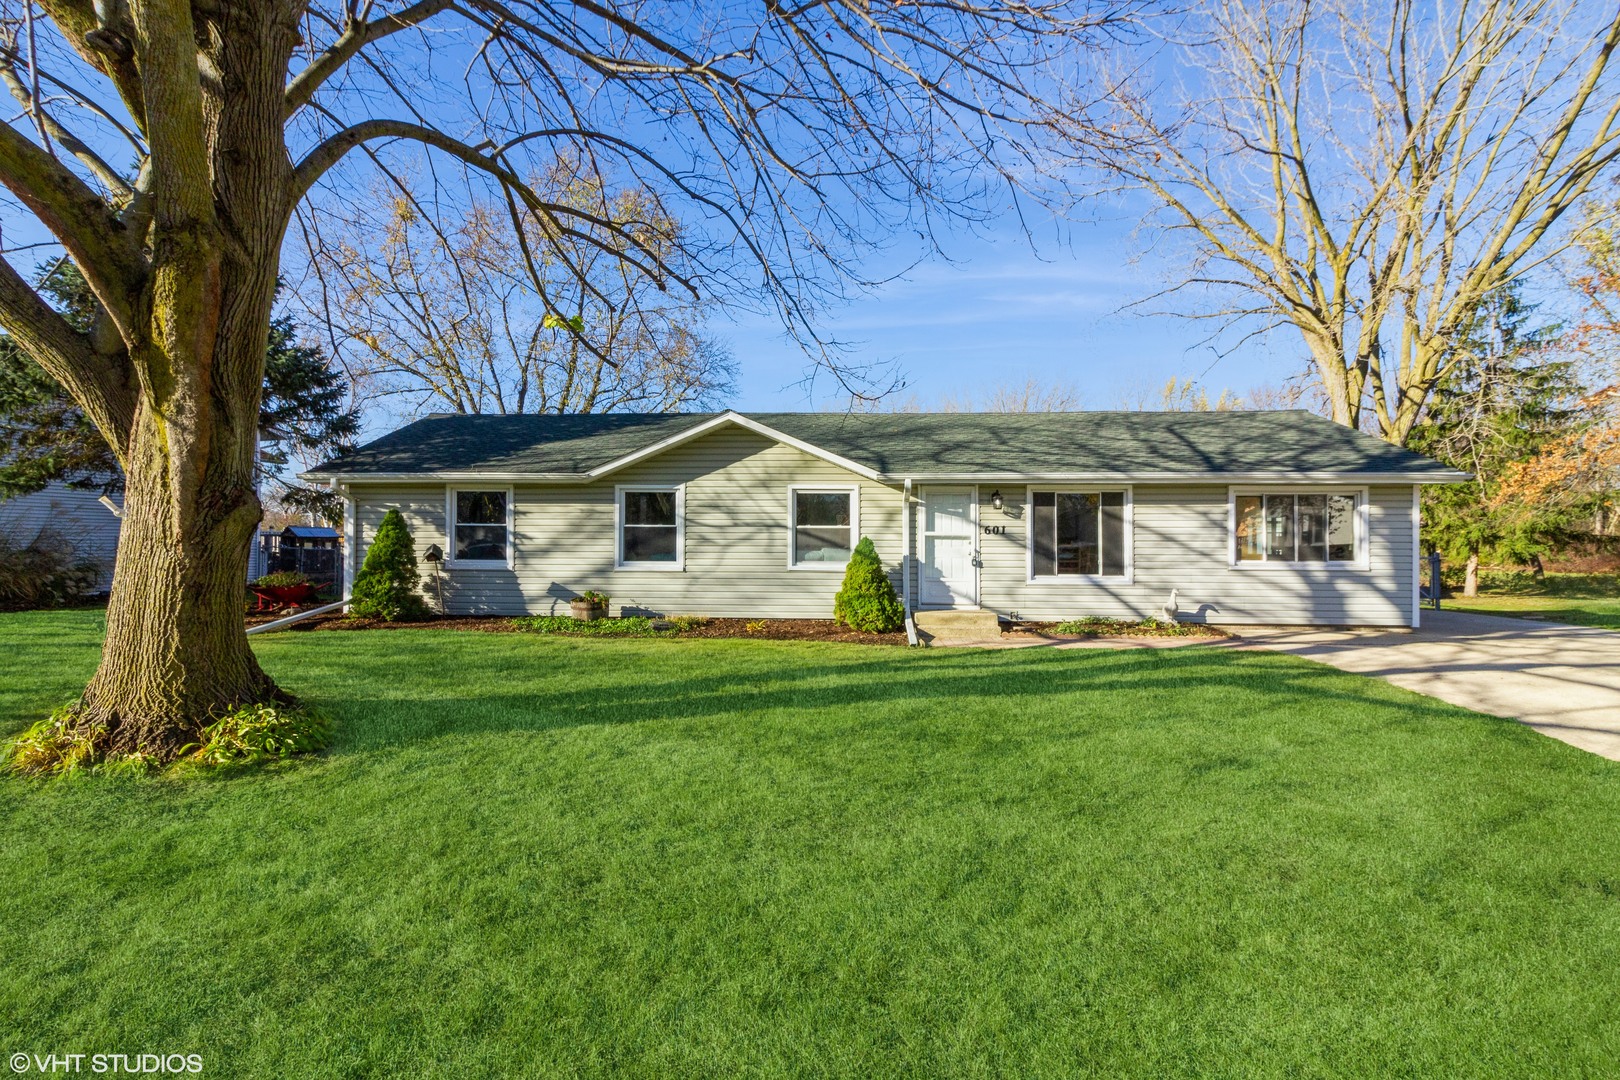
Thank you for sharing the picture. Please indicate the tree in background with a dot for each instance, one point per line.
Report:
(44, 436)
(1581, 470)
(1183, 395)
(1031, 395)
(306, 416)
(1034, 395)
(470, 317)
(304, 413)
(1369, 173)
(1507, 395)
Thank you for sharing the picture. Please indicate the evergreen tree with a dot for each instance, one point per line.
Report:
(867, 601)
(1506, 397)
(386, 586)
(45, 437)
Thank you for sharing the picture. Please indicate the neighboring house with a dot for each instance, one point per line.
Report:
(77, 517)
(1255, 517)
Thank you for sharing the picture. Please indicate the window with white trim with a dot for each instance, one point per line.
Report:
(481, 531)
(650, 527)
(1296, 527)
(1078, 534)
(823, 526)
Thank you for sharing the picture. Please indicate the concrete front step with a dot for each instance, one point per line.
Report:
(957, 627)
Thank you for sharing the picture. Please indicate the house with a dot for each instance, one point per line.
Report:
(78, 518)
(1255, 517)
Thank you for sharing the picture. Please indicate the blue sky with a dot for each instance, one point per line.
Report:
(1000, 313)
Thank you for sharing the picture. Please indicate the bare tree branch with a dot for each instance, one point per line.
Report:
(1373, 172)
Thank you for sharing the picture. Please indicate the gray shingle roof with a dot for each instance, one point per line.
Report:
(544, 445)
(1090, 444)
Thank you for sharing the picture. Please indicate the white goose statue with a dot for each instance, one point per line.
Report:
(1167, 614)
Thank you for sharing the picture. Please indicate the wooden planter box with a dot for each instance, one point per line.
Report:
(585, 612)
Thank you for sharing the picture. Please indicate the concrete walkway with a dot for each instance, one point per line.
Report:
(1564, 681)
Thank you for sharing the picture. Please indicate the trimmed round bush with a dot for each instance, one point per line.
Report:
(867, 600)
(386, 586)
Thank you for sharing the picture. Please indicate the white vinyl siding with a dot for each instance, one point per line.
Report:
(1181, 539)
(735, 535)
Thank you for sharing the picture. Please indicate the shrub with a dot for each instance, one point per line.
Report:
(259, 733)
(385, 587)
(47, 572)
(56, 746)
(867, 601)
(282, 579)
(592, 598)
(61, 746)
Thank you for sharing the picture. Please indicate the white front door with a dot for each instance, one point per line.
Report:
(950, 572)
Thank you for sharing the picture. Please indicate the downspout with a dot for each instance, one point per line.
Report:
(905, 560)
(351, 536)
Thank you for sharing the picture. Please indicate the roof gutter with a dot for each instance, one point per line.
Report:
(318, 476)
(1437, 476)
(1447, 476)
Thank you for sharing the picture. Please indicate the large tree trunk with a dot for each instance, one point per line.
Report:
(176, 653)
(1471, 575)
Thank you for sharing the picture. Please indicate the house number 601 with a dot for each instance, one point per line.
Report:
(994, 530)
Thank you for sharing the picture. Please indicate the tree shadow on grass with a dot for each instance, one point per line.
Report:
(843, 691)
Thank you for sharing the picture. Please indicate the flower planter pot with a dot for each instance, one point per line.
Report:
(585, 612)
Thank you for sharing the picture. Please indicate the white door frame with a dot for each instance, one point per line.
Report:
(973, 544)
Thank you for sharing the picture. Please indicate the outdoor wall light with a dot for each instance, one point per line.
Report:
(995, 498)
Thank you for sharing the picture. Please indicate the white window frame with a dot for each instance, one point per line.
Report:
(679, 565)
(1362, 562)
(450, 560)
(793, 491)
(1127, 578)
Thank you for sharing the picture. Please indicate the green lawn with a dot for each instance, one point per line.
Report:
(1582, 599)
(538, 857)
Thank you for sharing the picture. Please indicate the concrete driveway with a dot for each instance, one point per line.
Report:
(1564, 681)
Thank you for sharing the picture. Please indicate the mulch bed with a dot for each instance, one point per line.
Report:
(760, 629)
(763, 629)
(339, 621)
